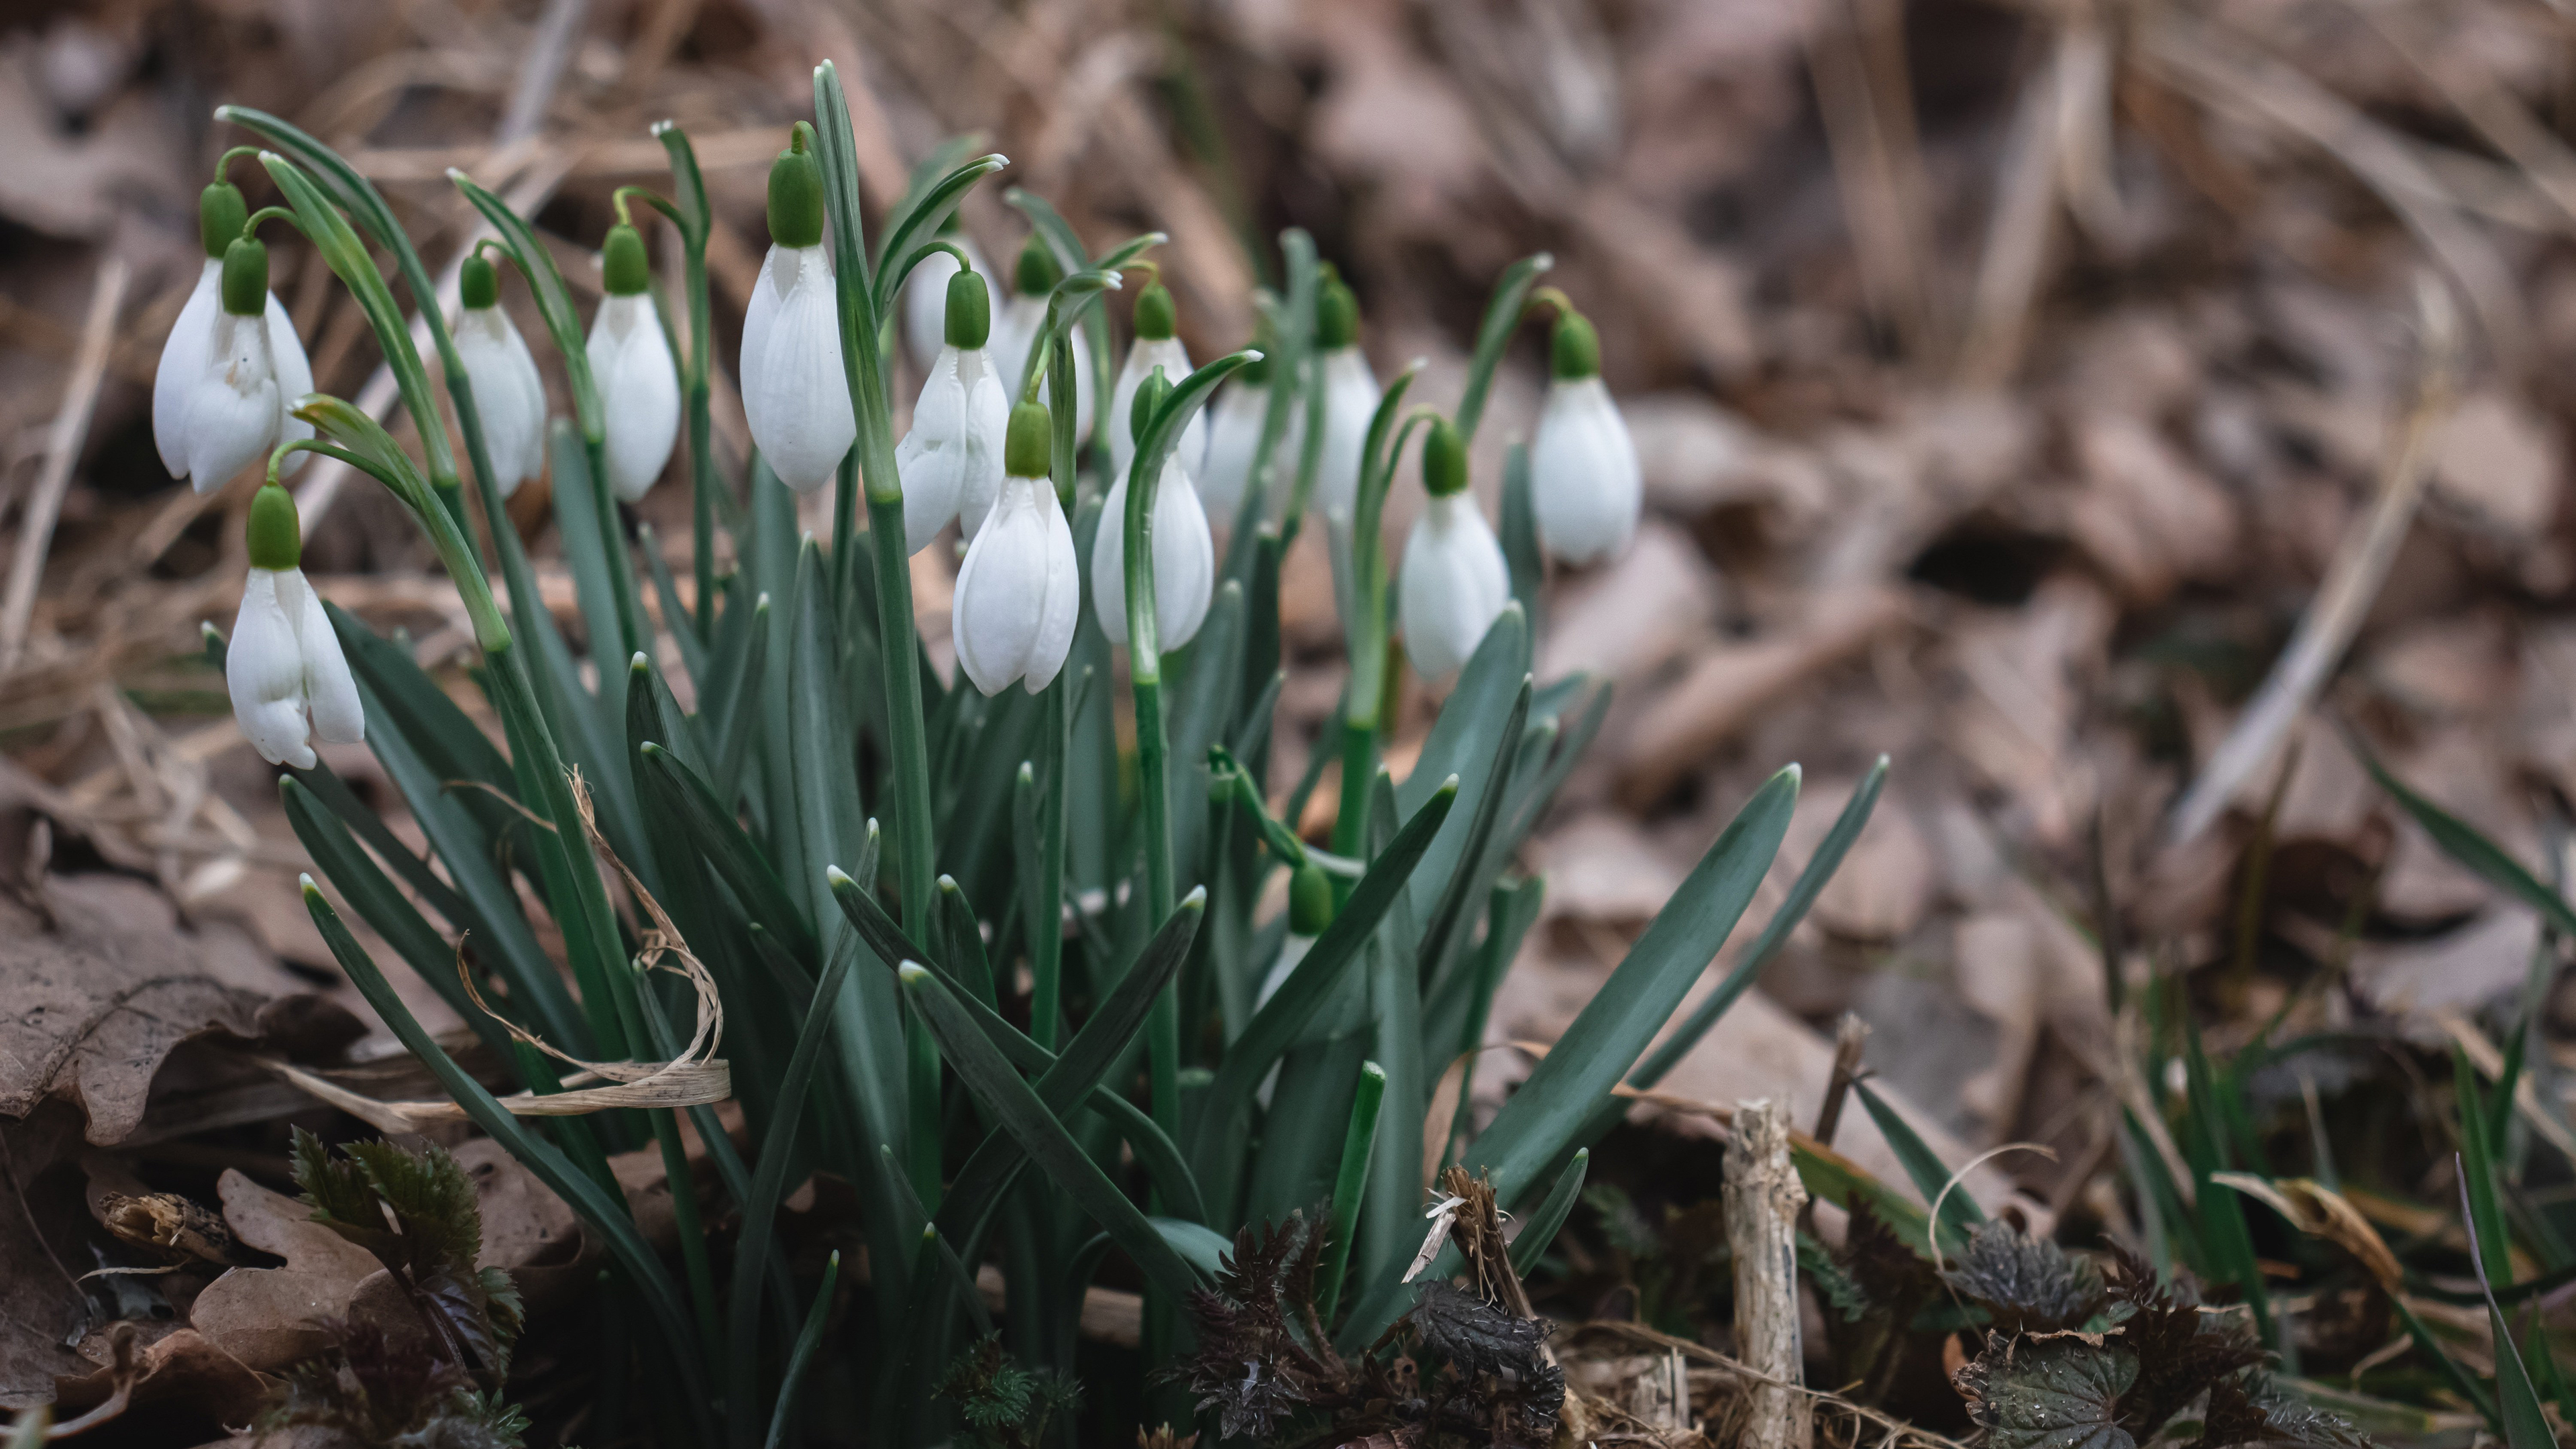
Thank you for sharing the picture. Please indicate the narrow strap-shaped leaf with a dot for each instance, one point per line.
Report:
(734, 855)
(1539, 1229)
(801, 1357)
(1931, 1176)
(1285, 1016)
(917, 219)
(369, 827)
(1537, 1126)
(2469, 846)
(2517, 1401)
(1444, 930)
(598, 1209)
(1016, 1106)
(1811, 883)
(965, 938)
(1520, 535)
(546, 285)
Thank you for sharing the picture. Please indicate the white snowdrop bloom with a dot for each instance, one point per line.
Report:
(232, 367)
(289, 682)
(1455, 582)
(1350, 400)
(951, 461)
(631, 367)
(925, 292)
(509, 395)
(1024, 317)
(795, 394)
(1155, 346)
(1585, 487)
(1020, 589)
(1234, 439)
(1184, 560)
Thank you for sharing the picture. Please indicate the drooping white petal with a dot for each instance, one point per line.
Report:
(639, 391)
(233, 410)
(1184, 561)
(1455, 584)
(294, 381)
(1147, 354)
(951, 461)
(183, 361)
(925, 297)
(329, 689)
(794, 392)
(1350, 397)
(1015, 331)
(1585, 487)
(1018, 592)
(1234, 439)
(509, 395)
(264, 672)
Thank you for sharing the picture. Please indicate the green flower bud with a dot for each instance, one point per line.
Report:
(1154, 313)
(1149, 397)
(970, 311)
(1337, 316)
(796, 194)
(276, 534)
(1310, 900)
(1574, 349)
(1444, 459)
(245, 277)
(1028, 448)
(1038, 270)
(478, 286)
(625, 269)
(221, 215)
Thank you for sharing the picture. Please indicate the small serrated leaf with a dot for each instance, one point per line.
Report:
(2058, 1394)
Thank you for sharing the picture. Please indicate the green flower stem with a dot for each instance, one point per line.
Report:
(1046, 941)
(697, 370)
(1349, 1186)
(1369, 622)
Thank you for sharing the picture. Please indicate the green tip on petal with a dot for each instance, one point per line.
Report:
(479, 284)
(1038, 270)
(1154, 313)
(1574, 351)
(245, 277)
(1337, 316)
(276, 533)
(970, 311)
(624, 269)
(796, 195)
(1310, 900)
(1027, 449)
(221, 215)
(1149, 398)
(1444, 460)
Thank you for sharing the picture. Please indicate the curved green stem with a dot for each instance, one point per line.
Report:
(250, 228)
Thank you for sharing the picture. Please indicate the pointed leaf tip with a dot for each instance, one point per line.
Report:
(1196, 900)
(913, 974)
(836, 877)
(639, 664)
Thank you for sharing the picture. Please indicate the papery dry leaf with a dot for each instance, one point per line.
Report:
(270, 1318)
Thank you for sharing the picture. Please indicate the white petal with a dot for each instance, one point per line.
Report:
(1001, 589)
(794, 392)
(183, 360)
(294, 381)
(1455, 584)
(1060, 599)
(1014, 332)
(328, 687)
(931, 460)
(1234, 436)
(1184, 561)
(1585, 487)
(264, 671)
(1142, 358)
(1109, 566)
(639, 391)
(1350, 398)
(232, 403)
(509, 396)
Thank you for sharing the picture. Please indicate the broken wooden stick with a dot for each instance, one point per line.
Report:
(1763, 1197)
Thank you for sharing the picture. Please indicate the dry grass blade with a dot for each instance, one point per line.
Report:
(62, 451)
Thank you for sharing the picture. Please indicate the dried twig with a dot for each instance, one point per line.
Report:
(1763, 1196)
(62, 451)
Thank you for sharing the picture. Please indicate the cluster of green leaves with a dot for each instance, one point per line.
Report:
(1001, 1405)
(418, 1214)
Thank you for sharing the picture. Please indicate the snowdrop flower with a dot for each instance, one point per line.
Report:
(1455, 583)
(1234, 435)
(1020, 590)
(1184, 555)
(233, 366)
(289, 682)
(509, 396)
(925, 292)
(1584, 483)
(1350, 399)
(630, 365)
(1155, 346)
(951, 461)
(1024, 316)
(794, 393)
